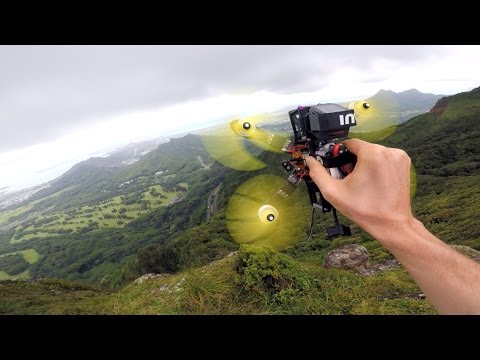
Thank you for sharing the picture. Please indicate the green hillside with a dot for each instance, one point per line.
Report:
(444, 142)
(98, 179)
(88, 227)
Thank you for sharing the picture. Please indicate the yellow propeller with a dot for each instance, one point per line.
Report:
(258, 214)
(231, 144)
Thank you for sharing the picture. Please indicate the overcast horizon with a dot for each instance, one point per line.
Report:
(63, 104)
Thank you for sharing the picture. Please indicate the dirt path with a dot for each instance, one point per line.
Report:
(212, 202)
(201, 162)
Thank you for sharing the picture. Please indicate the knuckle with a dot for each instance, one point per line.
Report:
(402, 155)
(378, 152)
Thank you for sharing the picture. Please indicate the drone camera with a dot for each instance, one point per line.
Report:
(322, 122)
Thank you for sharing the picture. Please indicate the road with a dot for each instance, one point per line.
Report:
(201, 162)
(212, 202)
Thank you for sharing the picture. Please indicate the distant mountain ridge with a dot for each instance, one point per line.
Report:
(410, 102)
(133, 152)
(444, 141)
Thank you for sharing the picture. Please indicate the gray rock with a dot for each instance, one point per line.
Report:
(145, 277)
(396, 295)
(372, 269)
(355, 257)
(349, 257)
(367, 270)
(387, 264)
(468, 251)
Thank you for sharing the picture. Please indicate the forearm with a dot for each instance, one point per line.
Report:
(449, 280)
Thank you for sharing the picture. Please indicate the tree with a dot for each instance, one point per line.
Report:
(157, 259)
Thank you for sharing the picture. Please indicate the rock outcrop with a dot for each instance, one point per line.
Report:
(145, 277)
(349, 257)
(356, 258)
(468, 251)
(372, 269)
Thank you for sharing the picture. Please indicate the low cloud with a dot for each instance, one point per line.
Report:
(49, 91)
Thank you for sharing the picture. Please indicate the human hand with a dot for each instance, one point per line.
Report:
(376, 194)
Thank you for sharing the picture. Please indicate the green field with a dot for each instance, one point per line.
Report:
(30, 255)
(112, 213)
(23, 275)
(5, 215)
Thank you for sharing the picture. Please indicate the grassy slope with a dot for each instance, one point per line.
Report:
(229, 286)
(49, 297)
(449, 208)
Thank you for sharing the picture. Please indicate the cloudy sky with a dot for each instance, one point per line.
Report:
(62, 104)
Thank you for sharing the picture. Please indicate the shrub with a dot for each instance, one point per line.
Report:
(275, 276)
(157, 259)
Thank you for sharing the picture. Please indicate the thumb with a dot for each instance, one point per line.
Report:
(320, 175)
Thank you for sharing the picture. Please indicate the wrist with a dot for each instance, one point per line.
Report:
(397, 233)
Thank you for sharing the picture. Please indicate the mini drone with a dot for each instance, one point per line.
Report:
(261, 210)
